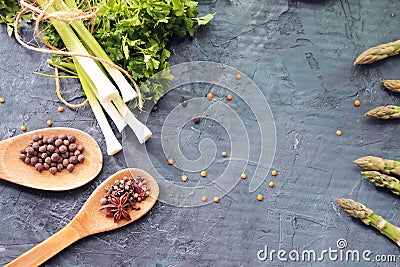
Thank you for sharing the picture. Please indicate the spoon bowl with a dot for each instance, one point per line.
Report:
(14, 170)
(89, 220)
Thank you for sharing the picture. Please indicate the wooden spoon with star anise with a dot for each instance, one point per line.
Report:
(90, 220)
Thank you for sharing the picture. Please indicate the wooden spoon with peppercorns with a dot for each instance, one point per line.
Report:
(15, 170)
(90, 220)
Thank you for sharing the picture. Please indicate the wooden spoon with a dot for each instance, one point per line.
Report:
(14, 170)
(89, 220)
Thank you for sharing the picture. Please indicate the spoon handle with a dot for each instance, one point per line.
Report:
(48, 248)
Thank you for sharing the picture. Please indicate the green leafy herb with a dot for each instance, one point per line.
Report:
(135, 34)
(8, 11)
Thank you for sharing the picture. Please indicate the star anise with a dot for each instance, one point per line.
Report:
(119, 207)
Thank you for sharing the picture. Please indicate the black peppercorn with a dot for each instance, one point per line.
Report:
(30, 150)
(39, 167)
(50, 148)
(65, 162)
(72, 147)
(55, 157)
(34, 160)
(58, 142)
(73, 159)
(81, 148)
(53, 170)
(71, 138)
(60, 167)
(81, 158)
(63, 149)
(70, 167)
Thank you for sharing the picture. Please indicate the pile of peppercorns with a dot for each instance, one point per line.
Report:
(53, 153)
(136, 187)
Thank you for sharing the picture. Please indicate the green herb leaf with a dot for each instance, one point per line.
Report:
(205, 19)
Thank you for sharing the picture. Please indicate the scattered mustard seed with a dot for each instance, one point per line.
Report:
(339, 133)
(216, 199)
(204, 198)
(184, 178)
(23, 128)
(244, 176)
(357, 103)
(60, 109)
(260, 197)
(271, 184)
(210, 96)
(2, 100)
(49, 123)
(274, 172)
(203, 173)
(170, 161)
(229, 97)
(224, 154)
(238, 76)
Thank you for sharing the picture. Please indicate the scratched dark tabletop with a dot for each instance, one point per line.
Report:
(300, 54)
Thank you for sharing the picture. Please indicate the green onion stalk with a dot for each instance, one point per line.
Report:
(98, 88)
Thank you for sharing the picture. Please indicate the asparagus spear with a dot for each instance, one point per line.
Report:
(368, 217)
(383, 180)
(392, 85)
(387, 166)
(378, 53)
(384, 112)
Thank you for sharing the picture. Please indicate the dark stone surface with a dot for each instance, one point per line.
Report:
(300, 54)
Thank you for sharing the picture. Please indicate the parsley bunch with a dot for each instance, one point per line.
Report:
(135, 33)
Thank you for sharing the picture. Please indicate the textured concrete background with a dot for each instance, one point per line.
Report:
(300, 54)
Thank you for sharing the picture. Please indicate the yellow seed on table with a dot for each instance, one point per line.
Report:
(203, 173)
(260, 197)
(244, 176)
(224, 154)
(229, 97)
(2, 100)
(60, 109)
(357, 103)
(204, 198)
(271, 184)
(216, 199)
(238, 76)
(274, 172)
(210, 96)
(23, 128)
(184, 178)
(170, 161)
(339, 133)
(49, 123)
